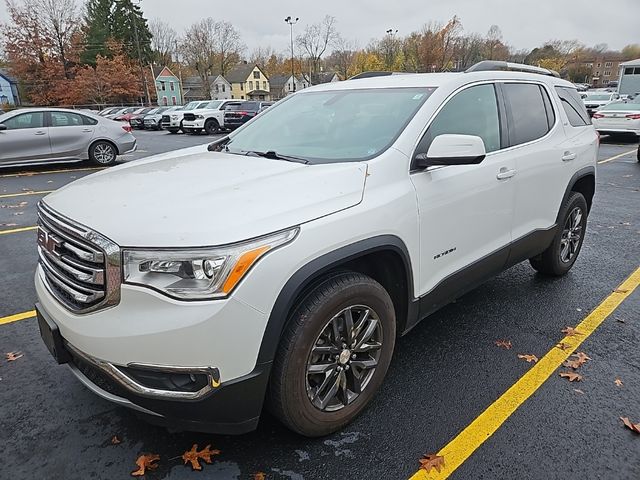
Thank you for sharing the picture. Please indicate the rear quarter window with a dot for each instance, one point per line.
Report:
(529, 112)
(573, 106)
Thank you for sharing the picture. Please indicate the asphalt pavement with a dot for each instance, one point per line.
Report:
(444, 374)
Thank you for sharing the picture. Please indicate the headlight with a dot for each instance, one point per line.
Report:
(199, 273)
(199, 117)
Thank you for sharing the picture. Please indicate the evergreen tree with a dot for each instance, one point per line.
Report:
(97, 18)
(130, 27)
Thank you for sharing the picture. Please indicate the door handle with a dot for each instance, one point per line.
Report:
(505, 173)
(568, 156)
(40, 133)
(87, 130)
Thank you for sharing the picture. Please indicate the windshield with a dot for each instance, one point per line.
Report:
(190, 106)
(215, 104)
(598, 97)
(202, 105)
(332, 126)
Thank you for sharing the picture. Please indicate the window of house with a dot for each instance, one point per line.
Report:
(573, 106)
(162, 86)
(473, 111)
(223, 88)
(25, 120)
(164, 101)
(171, 86)
(628, 71)
(174, 101)
(242, 87)
(599, 65)
(528, 108)
(251, 85)
(608, 64)
(264, 85)
(256, 74)
(607, 73)
(637, 71)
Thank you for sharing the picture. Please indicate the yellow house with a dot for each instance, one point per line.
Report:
(248, 82)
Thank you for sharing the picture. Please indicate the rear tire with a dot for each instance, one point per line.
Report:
(315, 394)
(173, 130)
(560, 256)
(103, 153)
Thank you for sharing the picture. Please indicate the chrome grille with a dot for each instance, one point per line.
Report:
(80, 267)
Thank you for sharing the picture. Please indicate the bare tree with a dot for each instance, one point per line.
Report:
(228, 46)
(343, 56)
(61, 20)
(199, 49)
(260, 56)
(164, 40)
(315, 40)
(494, 40)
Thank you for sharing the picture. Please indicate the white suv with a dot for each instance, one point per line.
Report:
(210, 118)
(280, 266)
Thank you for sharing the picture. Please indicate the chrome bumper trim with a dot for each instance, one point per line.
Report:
(213, 378)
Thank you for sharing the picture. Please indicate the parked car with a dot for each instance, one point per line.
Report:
(237, 115)
(109, 110)
(120, 111)
(136, 120)
(210, 118)
(48, 135)
(173, 121)
(285, 261)
(595, 100)
(153, 119)
(619, 118)
(127, 116)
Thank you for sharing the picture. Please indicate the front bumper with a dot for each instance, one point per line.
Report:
(193, 124)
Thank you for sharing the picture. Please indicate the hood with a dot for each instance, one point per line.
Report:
(197, 198)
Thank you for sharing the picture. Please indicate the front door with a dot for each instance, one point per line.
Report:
(25, 139)
(465, 211)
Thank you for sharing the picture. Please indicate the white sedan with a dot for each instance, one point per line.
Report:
(618, 118)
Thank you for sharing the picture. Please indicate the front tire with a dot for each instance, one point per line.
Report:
(211, 127)
(333, 355)
(560, 256)
(103, 153)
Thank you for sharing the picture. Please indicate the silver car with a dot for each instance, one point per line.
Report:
(47, 135)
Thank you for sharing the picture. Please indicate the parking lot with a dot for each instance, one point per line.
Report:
(444, 375)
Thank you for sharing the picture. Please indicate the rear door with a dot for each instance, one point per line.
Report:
(26, 138)
(70, 134)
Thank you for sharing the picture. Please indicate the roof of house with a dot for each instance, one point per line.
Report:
(159, 71)
(241, 73)
(5, 74)
(322, 77)
(276, 81)
(631, 63)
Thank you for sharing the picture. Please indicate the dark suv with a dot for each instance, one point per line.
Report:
(237, 115)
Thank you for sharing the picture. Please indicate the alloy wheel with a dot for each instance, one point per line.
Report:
(104, 153)
(344, 358)
(571, 235)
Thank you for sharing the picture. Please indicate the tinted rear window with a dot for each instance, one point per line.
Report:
(252, 106)
(529, 119)
(573, 106)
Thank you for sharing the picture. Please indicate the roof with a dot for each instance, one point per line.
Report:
(241, 73)
(159, 71)
(5, 74)
(276, 81)
(322, 77)
(634, 63)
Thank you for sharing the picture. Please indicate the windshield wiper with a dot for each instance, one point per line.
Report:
(276, 156)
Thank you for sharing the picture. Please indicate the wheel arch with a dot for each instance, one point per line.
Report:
(106, 140)
(392, 270)
(584, 182)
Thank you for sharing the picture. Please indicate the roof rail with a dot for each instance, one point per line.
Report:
(374, 74)
(493, 65)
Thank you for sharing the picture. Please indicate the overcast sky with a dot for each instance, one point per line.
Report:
(524, 23)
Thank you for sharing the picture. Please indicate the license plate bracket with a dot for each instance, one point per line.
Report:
(52, 338)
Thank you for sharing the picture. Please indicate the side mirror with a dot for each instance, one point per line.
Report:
(3, 127)
(452, 150)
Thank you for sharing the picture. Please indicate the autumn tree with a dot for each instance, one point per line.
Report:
(631, 52)
(164, 41)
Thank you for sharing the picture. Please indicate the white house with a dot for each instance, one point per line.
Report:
(629, 77)
(220, 88)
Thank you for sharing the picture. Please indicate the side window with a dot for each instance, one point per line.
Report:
(529, 119)
(25, 120)
(573, 106)
(89, 120)
(473, 111)
(64, 119)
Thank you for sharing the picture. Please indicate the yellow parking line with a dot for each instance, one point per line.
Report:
(17, 230)
(30, 174)
(477, 432)
(30, 192)
(17, 317)
(611, 159)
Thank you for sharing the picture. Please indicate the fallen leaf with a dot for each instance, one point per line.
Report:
(618, 382)
(563, 346)
(620, 290)
(50, 181)
(529, 358)
(571, 376)
(570, 331)
(19, 213)
(634, 427)
(621, 320)
(580, 359)
(506, 344)
(19, 205)
(145, 462)
(13, 356)
(194, 455)
(259, 476)
(578, 309)
(431, 460)
(577, 390)
(115, 440)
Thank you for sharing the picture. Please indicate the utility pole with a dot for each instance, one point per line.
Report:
(179, 73)
(391, 47)
(143, 77)
(291, 23)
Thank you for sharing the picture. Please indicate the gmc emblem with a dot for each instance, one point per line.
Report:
(49, 242)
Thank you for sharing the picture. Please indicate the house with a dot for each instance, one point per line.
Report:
(603, 69)
(8, 89)
(220, 88)
(168, 88)
(283, 85)
(324, 77)
(629, 77)
(194, 89)
(248, 82)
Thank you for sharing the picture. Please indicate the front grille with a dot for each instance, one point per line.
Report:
(166, 119)
(80, 267)
(189, 117)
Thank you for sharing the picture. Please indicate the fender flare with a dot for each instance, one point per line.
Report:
(312, 271)
(583, 172)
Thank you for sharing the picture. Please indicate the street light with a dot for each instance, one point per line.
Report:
(291, 23)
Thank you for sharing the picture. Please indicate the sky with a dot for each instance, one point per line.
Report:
(525, 24)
